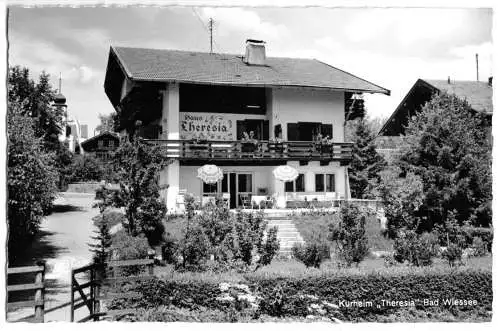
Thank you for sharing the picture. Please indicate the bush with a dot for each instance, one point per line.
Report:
(234, 241)
(453, 253)
(312, 254)
(294, 296)
(150, 217)
(479, 247)
(85, 168)
(194, 248)
(416, 249)
(350, 234)
(169, 249)
(270, 248)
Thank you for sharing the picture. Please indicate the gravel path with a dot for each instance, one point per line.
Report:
(63, 244)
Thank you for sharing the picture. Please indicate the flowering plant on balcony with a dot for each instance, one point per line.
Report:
(276, 140)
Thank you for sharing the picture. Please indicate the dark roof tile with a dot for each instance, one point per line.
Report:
(227, 69)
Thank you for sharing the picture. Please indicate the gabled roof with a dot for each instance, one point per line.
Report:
(157, 65)
(93, 139)
(478, 94)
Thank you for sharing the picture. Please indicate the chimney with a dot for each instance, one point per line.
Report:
(490, 81)
(255, 53)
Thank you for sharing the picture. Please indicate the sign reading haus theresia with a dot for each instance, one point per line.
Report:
(206, 126)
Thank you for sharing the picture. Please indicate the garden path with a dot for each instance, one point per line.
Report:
(63, 244)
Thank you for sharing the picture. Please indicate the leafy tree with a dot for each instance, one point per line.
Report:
(401, 197)
(31, 177)
(447, 146)
(36, 101)
(107, 122)
(366, 163)
(137, 166)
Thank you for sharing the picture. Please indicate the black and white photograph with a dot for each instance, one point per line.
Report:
(207, 163)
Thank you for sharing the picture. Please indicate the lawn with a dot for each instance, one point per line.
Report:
(311, 226)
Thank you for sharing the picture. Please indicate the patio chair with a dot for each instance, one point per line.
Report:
(245, 200)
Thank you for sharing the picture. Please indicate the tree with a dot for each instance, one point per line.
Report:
(107, 122)
(366, 163)
(31, 177)
(137, 166)
(447, 146)
(350, 234)
(36, 101)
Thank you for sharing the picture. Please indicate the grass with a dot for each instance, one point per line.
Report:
(294, 268)
(311, 226)
(175, 226)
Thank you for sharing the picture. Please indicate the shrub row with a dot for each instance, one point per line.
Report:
(284, 297)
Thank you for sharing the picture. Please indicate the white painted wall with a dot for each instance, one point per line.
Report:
(289, 105)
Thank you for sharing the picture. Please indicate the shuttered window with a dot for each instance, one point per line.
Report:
(293, 132)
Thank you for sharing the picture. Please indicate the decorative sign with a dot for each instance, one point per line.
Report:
(206, 126)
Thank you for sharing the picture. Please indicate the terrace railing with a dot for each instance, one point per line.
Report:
(262, 150)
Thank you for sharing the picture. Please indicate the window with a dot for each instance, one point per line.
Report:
(209, 188)
(307, 131)
(320, 183)
(330, 183)
(224, 186)
(111, 143)
(325, 183)
(296, 186)
(100, 143)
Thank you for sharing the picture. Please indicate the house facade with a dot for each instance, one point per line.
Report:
(101, 145)
(246, 114)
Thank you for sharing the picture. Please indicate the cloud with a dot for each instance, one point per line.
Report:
(406, 26)
(229, 19)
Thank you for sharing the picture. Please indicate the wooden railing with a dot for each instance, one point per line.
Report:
(262, 150)
(38, 286)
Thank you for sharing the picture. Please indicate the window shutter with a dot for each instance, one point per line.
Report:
(327, 130)
(265, 134)
(293, 132)
(277, 131)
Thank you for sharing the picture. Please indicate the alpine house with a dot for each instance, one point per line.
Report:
(245, 114)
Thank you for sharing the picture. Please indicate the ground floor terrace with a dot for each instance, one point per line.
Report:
(244, 186)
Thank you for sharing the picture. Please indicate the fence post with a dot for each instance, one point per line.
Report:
(92, 292)
(72, 291)
(39, 294)
(99, 273)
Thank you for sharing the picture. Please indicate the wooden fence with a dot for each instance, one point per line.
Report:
(107, 287)
(38, 287)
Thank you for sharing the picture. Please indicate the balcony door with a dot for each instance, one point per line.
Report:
(260, 129)
(307, 131)
(239, 185)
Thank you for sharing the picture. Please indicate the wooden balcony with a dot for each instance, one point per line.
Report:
(263, 151)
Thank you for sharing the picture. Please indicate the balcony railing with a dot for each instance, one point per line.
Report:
(263, 150)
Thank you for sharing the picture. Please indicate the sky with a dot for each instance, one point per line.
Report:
(391, 47)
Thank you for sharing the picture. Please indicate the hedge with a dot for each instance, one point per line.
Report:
(284, 296)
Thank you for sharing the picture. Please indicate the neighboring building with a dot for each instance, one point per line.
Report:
(477, 94)
(200, 105)
(101, 145)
